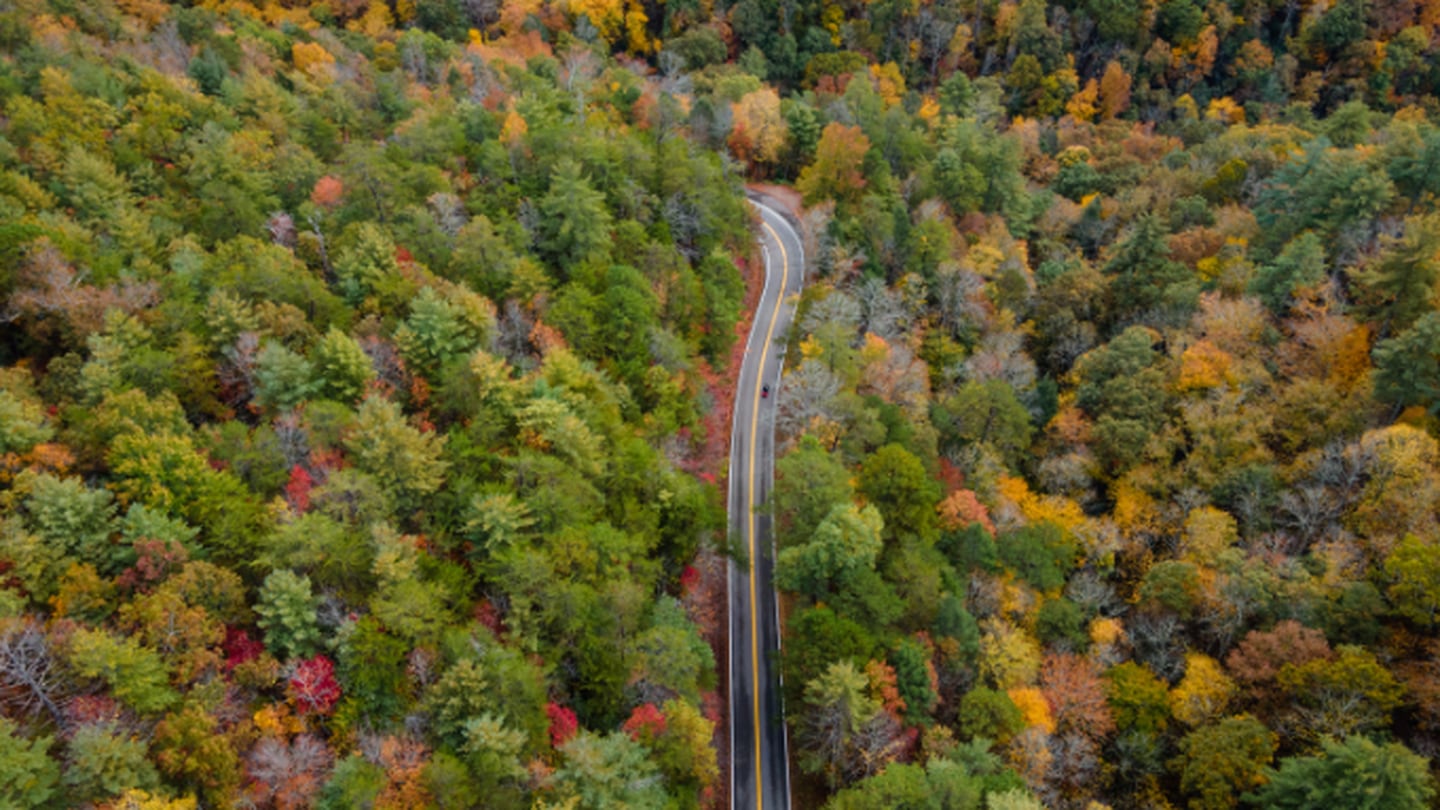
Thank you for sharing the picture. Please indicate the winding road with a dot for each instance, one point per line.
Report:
(759, 773)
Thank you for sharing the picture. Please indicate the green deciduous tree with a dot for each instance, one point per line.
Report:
(355, 782)
(1401, 285)
(985, 412)
(371, 669)
(76, 519)
(493, 752)
(837, 707)
(1407, 367)
(575, 224)
(1352, 694)
(809, 484)
(1301, 264)
(938, 785)
(895, 482)
(283, 379)
(1138, 698)
(408, 463)
(28, 777)
(190, 749)
(684, 751)
(989, 714)
(366, 267)
(608, 771)
(1121, 386)
(1062, 622)
(1414, 572)
(845, 543)
(102, 762)
(135, 674)
(287, 614)
(22, 418)
(1042, 554)
(1148, 285)
(1173, 585)
(816, 637)
(443, 328)
(1332, 191)
(341, 367)
(1219, 762)
(1356, 773)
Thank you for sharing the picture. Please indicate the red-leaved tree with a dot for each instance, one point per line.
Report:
(313, 686)
(645, 723)
(563, 724)
(240, 647)
(297, 489)
(1072, 686)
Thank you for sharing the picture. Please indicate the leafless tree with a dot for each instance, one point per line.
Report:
(528, 215)
(1068, 340)
(449, 212)
(1252, 507)
(29, 680)
(1031, 756)
(685, 226)
(281, 227)
(1226, 615)
(417, 63)
(934, 33)
(1074, 765)
(875, 745)
(1158, 639)
(1093, 594)
(166, 50)
(883, 312)
(385, 359)
(314, 221)
(287, 775)
(809, 392)
(960, 294)
(838, 310)
(1345, 469)
(52, 297)
(482, 78)
(1308, 511)
(512, 335)
(815, 231)
(1067, 474)
(1001, 356)
(482, 13)
(822, 735)
(580, 69)
(293, 437)
(984, 595)
(899, 378)
(237, 372)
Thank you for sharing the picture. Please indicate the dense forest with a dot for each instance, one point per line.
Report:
(364, 397)
(356, 415)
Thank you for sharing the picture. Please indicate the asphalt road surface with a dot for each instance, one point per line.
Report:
(759, 774)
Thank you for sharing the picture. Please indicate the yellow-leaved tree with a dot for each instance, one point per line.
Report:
(758, 133)
(1204, 693)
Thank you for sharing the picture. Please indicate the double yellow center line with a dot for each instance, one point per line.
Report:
(750, 501)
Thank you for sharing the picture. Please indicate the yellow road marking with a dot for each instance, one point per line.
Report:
(750, 502)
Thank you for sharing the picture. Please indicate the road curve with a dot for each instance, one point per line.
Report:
(759, 773)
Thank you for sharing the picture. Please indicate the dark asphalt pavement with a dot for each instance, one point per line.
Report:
(759, 774)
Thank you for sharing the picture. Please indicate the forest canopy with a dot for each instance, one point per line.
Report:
(366, 372)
